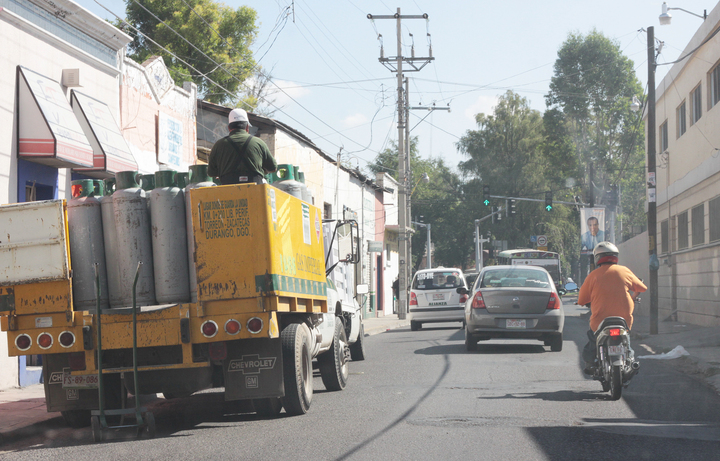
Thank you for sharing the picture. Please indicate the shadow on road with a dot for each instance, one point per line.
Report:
(557, 396)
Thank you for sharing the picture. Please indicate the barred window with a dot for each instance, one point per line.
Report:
(682, 223)
(698, 225)
(664, 237)
(663, 137)
(696, 101)
(714, 215)
(715, 86)
(681, 116)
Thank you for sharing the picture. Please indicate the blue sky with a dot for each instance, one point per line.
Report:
(325, 57)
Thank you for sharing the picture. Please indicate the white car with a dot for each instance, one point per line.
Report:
(434, 297)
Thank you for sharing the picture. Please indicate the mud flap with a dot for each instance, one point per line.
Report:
(253, 369)
(58, 398)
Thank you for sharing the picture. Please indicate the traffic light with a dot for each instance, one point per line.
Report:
(496, 216)
(548, 200)
(511, 208)
(611, 197)
(486, 195)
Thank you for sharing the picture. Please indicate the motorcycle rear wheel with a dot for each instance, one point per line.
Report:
(616, 382)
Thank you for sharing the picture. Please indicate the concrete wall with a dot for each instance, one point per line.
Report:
(289, 149)
(634, 255)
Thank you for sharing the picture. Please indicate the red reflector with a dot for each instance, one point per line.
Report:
(232, 327)
(413, 299)
(66, 339)
(615, 332)
(478, 302)
(254, 325)
(76, 190)
(218, 351)
(45, 340)
(553, 302)
(209, 329)
(77, 361)
(23, 342)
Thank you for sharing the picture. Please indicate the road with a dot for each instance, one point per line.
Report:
(420, 396)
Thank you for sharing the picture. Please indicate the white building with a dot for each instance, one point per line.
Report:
(688, 180)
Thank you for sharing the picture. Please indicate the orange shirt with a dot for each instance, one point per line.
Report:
(606, 289)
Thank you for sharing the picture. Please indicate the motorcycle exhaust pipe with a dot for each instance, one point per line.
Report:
(634, 368)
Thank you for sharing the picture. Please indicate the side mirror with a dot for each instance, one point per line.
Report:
(562, 292)
(362, 289)
(462, 291)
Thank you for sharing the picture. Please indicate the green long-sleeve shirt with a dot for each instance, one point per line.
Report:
(258, 155)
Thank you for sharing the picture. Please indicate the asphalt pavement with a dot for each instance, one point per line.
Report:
(24, 414)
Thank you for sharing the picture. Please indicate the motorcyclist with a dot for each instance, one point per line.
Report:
(610, 290)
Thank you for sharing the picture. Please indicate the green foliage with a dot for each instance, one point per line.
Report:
(231, 52)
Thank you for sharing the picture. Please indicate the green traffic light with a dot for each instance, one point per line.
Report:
(549, 207)
(486, 202)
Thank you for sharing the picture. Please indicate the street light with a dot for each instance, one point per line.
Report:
(666, 17)
(425, 178)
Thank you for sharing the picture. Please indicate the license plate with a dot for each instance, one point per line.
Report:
(510, 323)
(616, 350)
(438, 296)
(79, 382)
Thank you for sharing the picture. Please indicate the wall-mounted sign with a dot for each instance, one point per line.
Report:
(375, 246)
(170, 142)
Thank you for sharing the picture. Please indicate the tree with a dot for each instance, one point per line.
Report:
(258, 95)
(225, 39)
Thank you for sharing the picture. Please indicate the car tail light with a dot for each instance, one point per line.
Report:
(478, 302)
(66, 339)
(232, 327)
(463, 298)
(614, 331)
(76, 361)
(255, 325)
(45, 340)
(23, 342)
(218, 351)
(554, 301)
(413, 299)
(209, 329)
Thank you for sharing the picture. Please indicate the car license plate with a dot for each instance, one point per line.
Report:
(438, 297)
(79, 382)
(510, 323)
(616, 350)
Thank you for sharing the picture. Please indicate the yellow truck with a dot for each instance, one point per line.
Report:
(267, 305)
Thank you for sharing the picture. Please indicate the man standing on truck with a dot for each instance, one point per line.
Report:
(240, 157)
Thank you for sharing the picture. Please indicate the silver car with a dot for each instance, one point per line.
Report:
(519, 302)
(434, 296)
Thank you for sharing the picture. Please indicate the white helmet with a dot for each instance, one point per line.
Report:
(606, 252)
(238, 115)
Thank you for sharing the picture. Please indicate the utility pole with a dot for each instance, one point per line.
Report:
(652, 205)
(403, 173)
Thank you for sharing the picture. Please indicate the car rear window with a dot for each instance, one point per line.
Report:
(437, 280)
(515, 278)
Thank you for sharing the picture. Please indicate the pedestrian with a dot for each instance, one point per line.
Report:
(396, 294)
(240, 157)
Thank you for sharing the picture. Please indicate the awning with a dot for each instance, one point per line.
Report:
(111, 152)
(48, 131)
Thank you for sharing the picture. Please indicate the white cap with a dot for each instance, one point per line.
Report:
(238, 115)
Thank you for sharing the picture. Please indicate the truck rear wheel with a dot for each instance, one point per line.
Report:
(334, 368)
(76, 418)
(267, 408)
(357, 349)
(297, 369)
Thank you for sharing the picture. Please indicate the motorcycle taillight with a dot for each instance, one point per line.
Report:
(614, 331)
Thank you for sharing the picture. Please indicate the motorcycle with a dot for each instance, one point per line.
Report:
(615, 359)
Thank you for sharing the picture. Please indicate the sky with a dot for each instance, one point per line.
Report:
(324, 55)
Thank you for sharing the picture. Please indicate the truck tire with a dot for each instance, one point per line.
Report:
(357, 349)
(415, 326)
(334, 368)
(76, 418)
(297, 369)
(267, 408)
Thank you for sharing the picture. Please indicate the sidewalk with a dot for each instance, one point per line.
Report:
(23, 412)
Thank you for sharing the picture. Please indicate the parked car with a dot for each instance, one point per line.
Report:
(518, 302)
(434, 296)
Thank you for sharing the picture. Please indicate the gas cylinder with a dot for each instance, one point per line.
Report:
(87, 248)
(110, 241)
(284, 179)
(198, 178)
(169, 240)
(306, 194)
(132, 225)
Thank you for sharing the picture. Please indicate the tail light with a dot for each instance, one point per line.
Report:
(463, 298)
(554, 301)
(77, 361)
(232, 327)
(23, 342)
(478, 302)
(66, 339)
(614, 331)
(209, 329)
(413, 299)
(45, 340)
(218, 351)
(255, 325)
